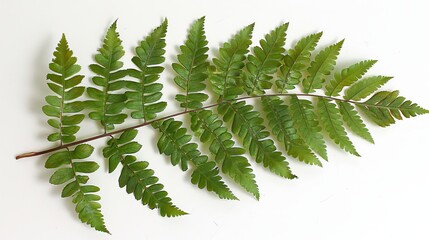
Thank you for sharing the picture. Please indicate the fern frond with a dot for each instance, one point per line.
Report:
(321, 67)
(192, 67)
(136, 176)
(228, 67)
(308, 127)
(384, 107)
(69, 172)
(230, 158)
(365, 87)
(64, 82)
(347, 77)
(248, 125)
(330, 119)
(107, 105)
(264, 61)
(296, 62)
(176, 143)
(143, 99)
(282, 125)
(354, 121)
(297, 123)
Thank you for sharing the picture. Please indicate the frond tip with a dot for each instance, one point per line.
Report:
(384, 107)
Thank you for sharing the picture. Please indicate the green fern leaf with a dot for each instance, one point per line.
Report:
(330, 118)
(229, 157)
(296, 124)
(384, 107)
(264, 61)
(365, 87)
(307, 125)
(248, 125)
(347, 77)
(282, 125)
(145, 95)
(192, 67)
(296, 62)
(107, 105)
(321, 67)
(136, 176)
(353, 120)
(83, 195)
(64, 82)
(175, 142)
(228, 67)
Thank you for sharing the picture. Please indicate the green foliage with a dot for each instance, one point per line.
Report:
(354, 121)
(330, 119)
(384, 107)
(299, 121)
(321, 67)
(365, 87)
(347, 77)
(175, 142)
(295, 62)
(264, 61)
(136, 177)
(68, 171)
(143, 99)
(282, 125)
(107, 105)
(192, 67)
(248, 125)
(229, 65)
(64, 82)
(308, 126)
(229, 157)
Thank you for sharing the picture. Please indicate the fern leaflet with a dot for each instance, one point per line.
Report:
(136, 176)
(321, 67)
(107, 105)
(192, 67)
(384, 107)
(282, 125)
(295, 63)
(365, 87)
(265, 61)
(228, 67)
(330, 118)
(353, 120)
(145, 94)
(248, 125)
(347, 77)
(308, 127)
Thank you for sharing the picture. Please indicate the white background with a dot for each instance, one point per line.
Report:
(382, 195)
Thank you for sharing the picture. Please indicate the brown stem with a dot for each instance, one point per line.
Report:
(33, 154)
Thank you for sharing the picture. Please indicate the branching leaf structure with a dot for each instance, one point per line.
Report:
(234, 129)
